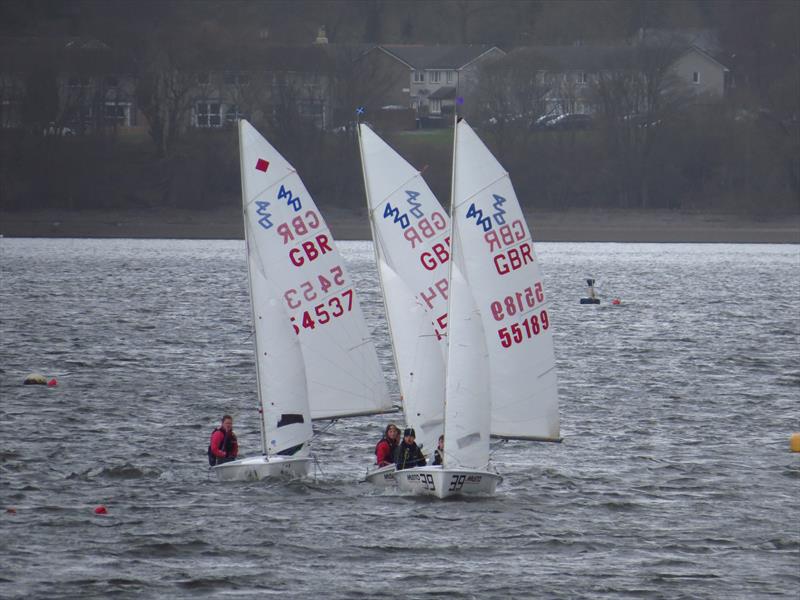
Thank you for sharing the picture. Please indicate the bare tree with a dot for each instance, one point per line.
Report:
(511, 94)
(635, 101)
(163, 93)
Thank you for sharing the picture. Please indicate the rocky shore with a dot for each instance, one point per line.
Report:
(563, 226)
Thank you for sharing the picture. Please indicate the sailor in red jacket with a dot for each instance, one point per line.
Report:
(385, 449)
(224, 446)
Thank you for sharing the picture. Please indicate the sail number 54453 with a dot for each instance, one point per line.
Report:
(518, 332)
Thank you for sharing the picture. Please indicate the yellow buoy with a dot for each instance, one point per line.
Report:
(35, 379)
(794, 442)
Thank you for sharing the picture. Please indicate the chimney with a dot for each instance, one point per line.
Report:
(321, 37)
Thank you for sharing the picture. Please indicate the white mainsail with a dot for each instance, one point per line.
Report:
(311, 336)
(411, 238)
(493, 247)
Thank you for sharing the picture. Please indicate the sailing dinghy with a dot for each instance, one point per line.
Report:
(314, 355)
(500, 365)
(410, 233)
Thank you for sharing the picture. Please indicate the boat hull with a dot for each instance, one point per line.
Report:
(443, 483)
(260, 467)
(383, 477)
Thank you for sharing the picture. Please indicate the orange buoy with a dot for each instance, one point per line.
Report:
(794, 442)
(52, 382)
(11, 510)
(101, 510)
(616, 301)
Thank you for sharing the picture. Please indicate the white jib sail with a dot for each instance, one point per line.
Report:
(411, 236)
(467, 410)
(504, 275)
(306, 274)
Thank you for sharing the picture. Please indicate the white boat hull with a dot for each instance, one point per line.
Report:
(256, 468)
(443, 483)
(383, 477)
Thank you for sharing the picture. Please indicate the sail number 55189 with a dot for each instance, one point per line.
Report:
(518, 332)
(517, 302)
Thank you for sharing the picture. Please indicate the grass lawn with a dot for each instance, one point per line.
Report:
(422, 138)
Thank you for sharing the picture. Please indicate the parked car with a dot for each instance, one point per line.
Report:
(640, 120)
(543, 121)
(52, 129)
(570, 122)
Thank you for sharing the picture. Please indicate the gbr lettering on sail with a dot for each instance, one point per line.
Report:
(518, 309)
(425, 232)
(325, 295)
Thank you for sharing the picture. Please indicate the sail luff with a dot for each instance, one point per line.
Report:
(506, 278)
(262, 423)
(467, 395)
(310, 297)
(409, 231)
(378, 259)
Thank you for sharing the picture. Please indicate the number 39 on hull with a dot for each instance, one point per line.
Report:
(443, 483)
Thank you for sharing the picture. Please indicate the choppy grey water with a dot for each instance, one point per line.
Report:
(674, 479)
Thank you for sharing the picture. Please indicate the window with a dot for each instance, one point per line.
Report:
(436, 76)
(696, 77)
(234, 78)
(233, 114)
(419, 77)
(78, 82)
(436, 106)
(208, 114)
(115, 112)
(449, 77)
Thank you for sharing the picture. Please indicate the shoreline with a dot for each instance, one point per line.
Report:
(585, 225)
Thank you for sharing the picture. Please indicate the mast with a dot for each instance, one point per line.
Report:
(378, 260)
(450, 268)
(262, 422)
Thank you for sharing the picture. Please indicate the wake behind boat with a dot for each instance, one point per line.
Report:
(314, 355)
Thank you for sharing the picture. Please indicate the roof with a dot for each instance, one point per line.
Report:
(598, 58)
(579, 58)
(23, 53)
(437, 57)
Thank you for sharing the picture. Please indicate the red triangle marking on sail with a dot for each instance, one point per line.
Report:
(262, 165)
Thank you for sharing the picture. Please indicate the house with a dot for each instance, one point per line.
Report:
(266, 81)
(65, 85)
(430, 78)
(572, 74)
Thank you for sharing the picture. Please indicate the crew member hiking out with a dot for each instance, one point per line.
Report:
(409, 455)
(386, 449)
(224, 446)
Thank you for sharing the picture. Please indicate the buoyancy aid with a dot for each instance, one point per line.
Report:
(390, 456)
(229, 445)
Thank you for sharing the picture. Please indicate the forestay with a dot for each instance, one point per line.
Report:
(494, 249)
(301, 287)
(411, 237)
